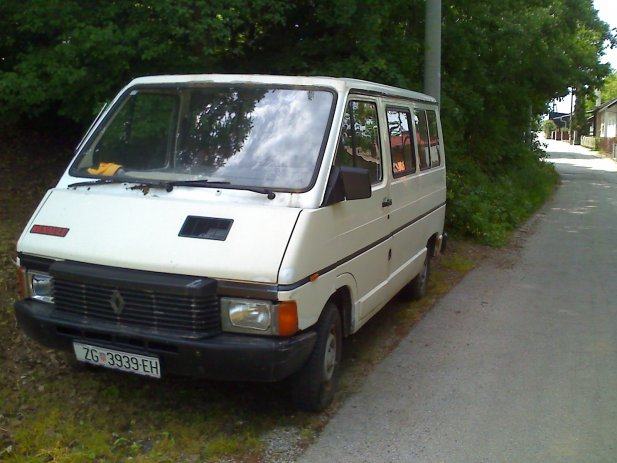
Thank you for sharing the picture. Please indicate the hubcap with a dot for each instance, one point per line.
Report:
(330, 356)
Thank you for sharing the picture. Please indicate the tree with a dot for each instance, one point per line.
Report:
(500, 58)
(499, 55)
(579, 117)
(548, 127)
(609, 89)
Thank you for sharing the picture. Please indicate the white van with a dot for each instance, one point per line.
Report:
(236, 227)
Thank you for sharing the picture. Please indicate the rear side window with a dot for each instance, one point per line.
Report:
(422, 138)
(359, 142)
(434, 141)
(402, 150)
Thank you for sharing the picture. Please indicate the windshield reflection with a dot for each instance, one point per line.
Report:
(245, 135)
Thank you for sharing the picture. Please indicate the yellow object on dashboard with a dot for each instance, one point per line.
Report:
(106, 169)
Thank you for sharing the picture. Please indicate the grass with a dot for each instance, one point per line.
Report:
(52, 412)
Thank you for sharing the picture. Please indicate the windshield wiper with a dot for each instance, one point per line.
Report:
(101, 181)
(224, 185)
(139, 184)
(169, 185)
(198, 183)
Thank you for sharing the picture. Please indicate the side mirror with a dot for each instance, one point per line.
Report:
(347, 183)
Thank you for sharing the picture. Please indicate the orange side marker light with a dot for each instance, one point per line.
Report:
(287, 318)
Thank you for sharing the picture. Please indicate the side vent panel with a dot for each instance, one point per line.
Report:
(206, 228)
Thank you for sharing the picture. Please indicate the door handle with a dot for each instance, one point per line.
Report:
(386, 202)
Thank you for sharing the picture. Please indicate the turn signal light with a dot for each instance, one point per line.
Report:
(287, 318)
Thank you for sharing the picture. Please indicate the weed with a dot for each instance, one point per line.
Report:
(457, 263)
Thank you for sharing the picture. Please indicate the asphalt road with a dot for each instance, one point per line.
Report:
(519, 362)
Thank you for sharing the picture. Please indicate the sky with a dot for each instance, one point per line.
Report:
(607, 10)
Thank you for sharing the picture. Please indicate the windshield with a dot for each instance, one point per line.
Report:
(245, 135)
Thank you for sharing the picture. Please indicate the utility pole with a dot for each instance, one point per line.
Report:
(571, 111)
(432, 49)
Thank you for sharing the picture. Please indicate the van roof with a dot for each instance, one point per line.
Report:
(340, 84)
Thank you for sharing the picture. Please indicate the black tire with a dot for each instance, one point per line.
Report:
(416, 288)
(314, 386)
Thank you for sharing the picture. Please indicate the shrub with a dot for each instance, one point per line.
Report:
(487, 207)
(548, 126)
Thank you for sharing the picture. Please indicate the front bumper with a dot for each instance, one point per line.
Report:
(233, 357)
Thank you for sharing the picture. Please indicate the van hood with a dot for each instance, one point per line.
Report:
(142, 232)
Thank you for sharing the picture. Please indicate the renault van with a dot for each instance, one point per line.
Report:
(236, 227)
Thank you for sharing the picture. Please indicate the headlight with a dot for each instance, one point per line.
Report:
(246, 315)
(259, 317)
(40, 286)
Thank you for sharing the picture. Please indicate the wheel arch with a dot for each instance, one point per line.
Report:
(343, 297)
(431, 244)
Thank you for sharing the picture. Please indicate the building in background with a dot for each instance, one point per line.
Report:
(604, 126)
(562, 122)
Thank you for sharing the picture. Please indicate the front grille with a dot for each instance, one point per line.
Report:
(190, 314)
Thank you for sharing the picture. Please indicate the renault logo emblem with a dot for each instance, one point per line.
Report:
(116, 302)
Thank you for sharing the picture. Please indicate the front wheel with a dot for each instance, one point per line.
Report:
(315, 384)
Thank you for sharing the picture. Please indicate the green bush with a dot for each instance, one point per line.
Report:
(548, 127)
(488, 207)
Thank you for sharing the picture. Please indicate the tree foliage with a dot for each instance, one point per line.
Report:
(548, 127)
(503, 60)
(609, 89)
(579, 116)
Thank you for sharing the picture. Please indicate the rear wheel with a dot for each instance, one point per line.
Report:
(416, 288)
(314, 385)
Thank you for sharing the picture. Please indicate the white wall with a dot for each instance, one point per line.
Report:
(611, 124)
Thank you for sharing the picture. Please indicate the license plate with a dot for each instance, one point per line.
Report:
(118, 360)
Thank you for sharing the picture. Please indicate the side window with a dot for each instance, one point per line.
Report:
(422, 138)
(434, 142)
(359, 141)
(402, 150)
